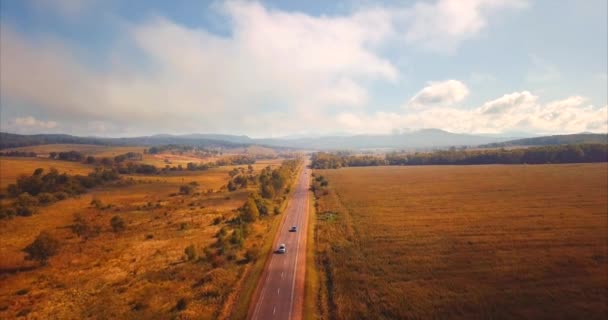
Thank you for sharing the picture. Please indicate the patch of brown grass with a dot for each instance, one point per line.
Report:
(12, 167)
(466, 242)
(139, 273)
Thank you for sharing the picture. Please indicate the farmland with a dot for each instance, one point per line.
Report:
(143, 270)
(467, 242)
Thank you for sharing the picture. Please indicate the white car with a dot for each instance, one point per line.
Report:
(282, 248)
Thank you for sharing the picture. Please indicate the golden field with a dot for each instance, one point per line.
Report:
(139, 273)
(463, 242)
(12, 167)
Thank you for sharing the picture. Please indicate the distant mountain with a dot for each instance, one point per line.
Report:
(11, 140)
(553, 140)
(420, 139)
(426, 138)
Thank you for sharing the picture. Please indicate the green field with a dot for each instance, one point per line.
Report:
(463, 242)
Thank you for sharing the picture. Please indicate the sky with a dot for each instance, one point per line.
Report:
(278, 68)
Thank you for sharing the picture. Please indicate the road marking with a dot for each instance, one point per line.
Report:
(292, 206)
(295, 266)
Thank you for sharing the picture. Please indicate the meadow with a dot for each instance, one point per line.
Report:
(12, 167)
(462, 242)
(140, 272)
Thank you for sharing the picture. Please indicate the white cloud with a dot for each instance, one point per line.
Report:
(515, 112)
(443, 93)
(275, 72)
(33, 122)
(442, 25)
(271, 63)
(508, 103)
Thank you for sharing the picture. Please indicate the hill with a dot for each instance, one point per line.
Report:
(11, 140)
(426, 138)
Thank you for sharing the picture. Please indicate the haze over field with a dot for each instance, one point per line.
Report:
(275, 68)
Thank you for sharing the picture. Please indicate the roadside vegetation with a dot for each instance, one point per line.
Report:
(150, 246)
(467, 242)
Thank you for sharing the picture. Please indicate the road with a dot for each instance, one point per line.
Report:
(280, 292)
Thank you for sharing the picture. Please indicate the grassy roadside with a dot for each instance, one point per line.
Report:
(252, 276)
(311, 282)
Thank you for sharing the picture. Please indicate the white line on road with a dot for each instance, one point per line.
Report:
(278, 291)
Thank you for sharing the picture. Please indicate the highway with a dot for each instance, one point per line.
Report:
(280, 291)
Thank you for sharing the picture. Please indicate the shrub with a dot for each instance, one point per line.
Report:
(24, 211)
(61, 195)
(25, 199)
(80, 226)
(252, 254)
(190, 252)
(46, 198)
(97, 203)
(186, 189)
(117, 224)
(181, 305)
(43, 247)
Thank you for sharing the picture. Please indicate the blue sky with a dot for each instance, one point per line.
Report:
(124, 68)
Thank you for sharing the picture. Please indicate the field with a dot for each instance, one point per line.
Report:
(463, 242)
(13, 167)
(141, 272)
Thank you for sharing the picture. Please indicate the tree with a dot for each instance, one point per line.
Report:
(186, 189)
(80, 226)
(43, 247)
(190, 252)
(117, 224)
(250, 211)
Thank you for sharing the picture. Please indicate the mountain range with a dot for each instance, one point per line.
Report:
(413, 140)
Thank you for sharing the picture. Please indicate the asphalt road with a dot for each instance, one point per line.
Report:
(280, 292)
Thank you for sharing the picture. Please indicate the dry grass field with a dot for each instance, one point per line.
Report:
(13, 167)
(88, 149)
(138, 273)
(464, 242)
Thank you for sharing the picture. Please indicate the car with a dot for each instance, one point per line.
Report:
(293, 229)
(282, 248)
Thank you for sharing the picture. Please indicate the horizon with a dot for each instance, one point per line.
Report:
(507, 135)
(269, 69)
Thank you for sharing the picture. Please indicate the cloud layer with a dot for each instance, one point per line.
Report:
(274, 73)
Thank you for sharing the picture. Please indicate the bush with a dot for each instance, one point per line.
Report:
(25, 199)
(190, 252)
(24, 211)
(43, 247)
(252, 254)
(46, 198)
(80, 226)
(186, 189)
(61, 195)
(97, 203)
(181, 305)
(117, 224)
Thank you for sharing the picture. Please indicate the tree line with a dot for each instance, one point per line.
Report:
(572, 153)
(30, 192)
(18, 154)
